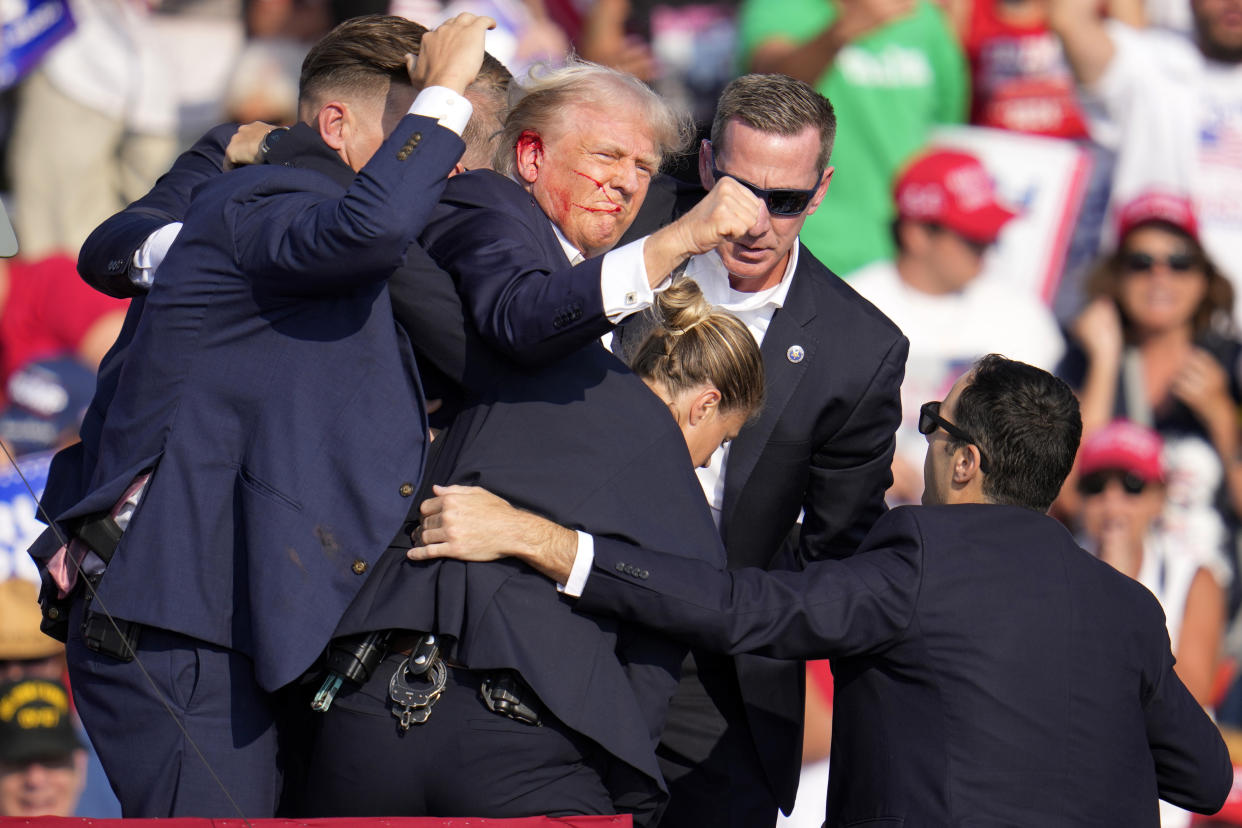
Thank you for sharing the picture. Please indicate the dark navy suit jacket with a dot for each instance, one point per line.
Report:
(987, 670)
(823, 447)
(424, 300)
(270, 390)
(578, 439)
(586, 444)
(494, 239)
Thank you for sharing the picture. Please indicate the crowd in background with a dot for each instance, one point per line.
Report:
(1139, 317)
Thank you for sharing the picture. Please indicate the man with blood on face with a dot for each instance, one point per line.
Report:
(531, 244)
(578, 153)
(823, 445)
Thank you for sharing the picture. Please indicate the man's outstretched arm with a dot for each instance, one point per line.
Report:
(830, 609)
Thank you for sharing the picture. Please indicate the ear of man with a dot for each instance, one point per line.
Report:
(966, 470)
(706, 162)
(530, 155)
(332, 123)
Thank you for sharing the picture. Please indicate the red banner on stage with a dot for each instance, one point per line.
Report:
(623, 821)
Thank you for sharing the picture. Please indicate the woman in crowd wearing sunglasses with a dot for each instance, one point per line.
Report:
(1123, 487)
(1155, 345)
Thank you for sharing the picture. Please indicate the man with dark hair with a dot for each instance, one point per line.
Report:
(987, 669)
(804, 482)
(234, 505)
(1025, 423)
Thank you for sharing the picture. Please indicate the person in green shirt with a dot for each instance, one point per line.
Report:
(893, 69)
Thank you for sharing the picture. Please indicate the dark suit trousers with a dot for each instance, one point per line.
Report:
(152, 764)
(464, 760)
(707, 754)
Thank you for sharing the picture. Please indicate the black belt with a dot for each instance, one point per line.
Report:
(420, 678)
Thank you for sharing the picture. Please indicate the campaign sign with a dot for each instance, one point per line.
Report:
(28, 28)
(18, 525)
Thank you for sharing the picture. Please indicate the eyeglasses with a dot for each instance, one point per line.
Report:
(780, 201)
(1096, 482)
(930, 420)
(1138, 262)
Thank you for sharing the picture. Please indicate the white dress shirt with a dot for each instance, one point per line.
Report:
(756, 311)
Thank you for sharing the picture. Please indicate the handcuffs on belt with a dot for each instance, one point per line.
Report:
(412, 700)
(419, 679)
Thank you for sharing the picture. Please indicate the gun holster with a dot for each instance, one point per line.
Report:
(101, 632)
(105, 634)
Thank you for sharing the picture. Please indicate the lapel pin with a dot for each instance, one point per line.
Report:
(795, 354)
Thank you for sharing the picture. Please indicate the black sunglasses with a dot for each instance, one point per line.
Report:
(1096, 482)
(930, 420)
(780, 201)
(1138, 262)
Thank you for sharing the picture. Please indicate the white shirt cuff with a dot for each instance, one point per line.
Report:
(623, 282)
(583, 561)
(149, 257)
(445, 105)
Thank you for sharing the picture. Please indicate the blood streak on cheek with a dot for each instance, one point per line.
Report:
(599, 185)
(561, 201)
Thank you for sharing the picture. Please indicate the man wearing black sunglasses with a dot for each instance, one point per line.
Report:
(988, 670)
(823, 445)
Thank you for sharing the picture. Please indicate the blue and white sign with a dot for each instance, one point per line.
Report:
(18, 525)
(28, 28)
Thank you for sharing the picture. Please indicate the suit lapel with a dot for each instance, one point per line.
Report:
(789, 348)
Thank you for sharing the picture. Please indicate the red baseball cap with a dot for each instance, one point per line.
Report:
(952, 189)
(1125, 446)
(1155, 205)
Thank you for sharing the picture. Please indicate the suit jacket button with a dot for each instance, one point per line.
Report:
(359, 567)
(642, 573)
(620, 567)
(406, 489)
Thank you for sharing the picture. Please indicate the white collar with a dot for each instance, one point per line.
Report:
(570, 250)
(709, 271)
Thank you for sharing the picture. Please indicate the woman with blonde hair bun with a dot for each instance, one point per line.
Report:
(584, 442)
(704, 364)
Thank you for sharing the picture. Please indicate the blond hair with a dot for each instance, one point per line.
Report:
(544, 104)
(691, 343)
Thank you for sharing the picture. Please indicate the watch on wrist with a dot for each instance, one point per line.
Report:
(270, 140)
